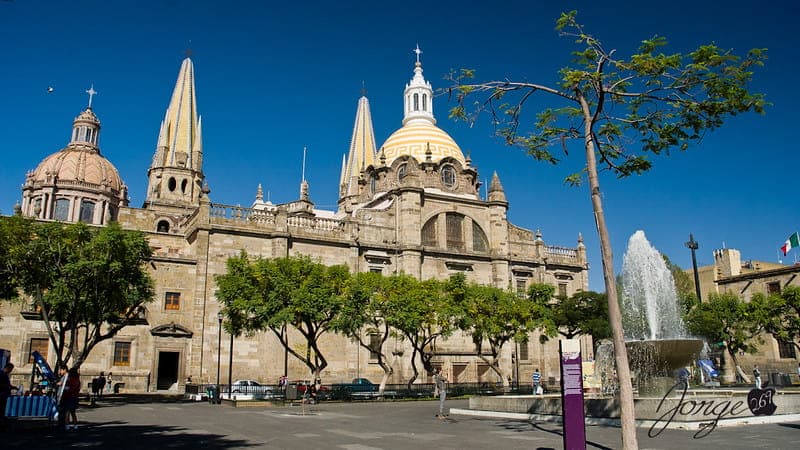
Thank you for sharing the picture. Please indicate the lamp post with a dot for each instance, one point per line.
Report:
(694, 245)
(219, 351)
(230, 370)
(285, 352)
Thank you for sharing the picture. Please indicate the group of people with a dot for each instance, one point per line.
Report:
(102, 383)
(68, 391)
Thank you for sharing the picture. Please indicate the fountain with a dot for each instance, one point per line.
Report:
(657, 346)
(656, 337)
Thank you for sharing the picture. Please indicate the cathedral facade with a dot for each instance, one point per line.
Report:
(412, 205)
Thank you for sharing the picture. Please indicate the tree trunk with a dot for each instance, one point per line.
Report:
(737, 369)
(627, 413)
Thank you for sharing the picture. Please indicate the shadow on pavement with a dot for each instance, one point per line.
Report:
(117, 436)
(522, 426)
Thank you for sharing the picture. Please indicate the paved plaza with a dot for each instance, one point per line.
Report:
(351, 426)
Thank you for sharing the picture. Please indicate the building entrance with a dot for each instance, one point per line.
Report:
(167, 370)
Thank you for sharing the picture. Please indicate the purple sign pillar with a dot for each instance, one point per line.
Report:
(572, 395)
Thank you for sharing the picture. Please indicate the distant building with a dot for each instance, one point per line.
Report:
(414, 206)
(729, 274)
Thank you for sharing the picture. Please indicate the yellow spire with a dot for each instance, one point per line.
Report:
(362, 149)
(179, 141)
(176, 177)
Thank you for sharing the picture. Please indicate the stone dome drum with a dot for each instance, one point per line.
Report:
(415, 138)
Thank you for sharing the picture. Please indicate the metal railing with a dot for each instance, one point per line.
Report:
(342, 392)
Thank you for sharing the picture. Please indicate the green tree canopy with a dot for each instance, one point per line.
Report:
(14, 231)
(266, 294)
(727, 319)
(421, 312)
(495, 316)
(780, 314)
(586, 312)
(87, 283)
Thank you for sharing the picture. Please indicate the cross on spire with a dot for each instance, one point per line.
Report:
(418, 52)
(91, 93)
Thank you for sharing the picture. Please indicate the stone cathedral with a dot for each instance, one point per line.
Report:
(412, 205)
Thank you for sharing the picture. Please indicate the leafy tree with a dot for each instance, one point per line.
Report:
(791, 315)
(364, 313)
(684, 283)
(265, 294)
(421, 313)
(780, 314)
(14, 231)
(727, 319)
(496, 316)
(623, 111)
(584, 313)
(87, 283)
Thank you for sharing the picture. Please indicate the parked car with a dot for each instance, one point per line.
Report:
(360, 388)
(254, 388)
(323, 393)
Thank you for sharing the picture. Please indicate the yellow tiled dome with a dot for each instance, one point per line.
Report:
(414, 139)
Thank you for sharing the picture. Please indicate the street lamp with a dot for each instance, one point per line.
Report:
(230, 370)
(694, 245)
(285, 351)
(219, 351)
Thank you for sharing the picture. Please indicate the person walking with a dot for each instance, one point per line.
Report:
(68, 394)
(109, 382)
(101, 384)
(5, 391)
(757, 376)
(440, 390)
(536, 381)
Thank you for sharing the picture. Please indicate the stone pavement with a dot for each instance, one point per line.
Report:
(350, 426)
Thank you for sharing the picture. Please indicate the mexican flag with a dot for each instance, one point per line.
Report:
(792, 242)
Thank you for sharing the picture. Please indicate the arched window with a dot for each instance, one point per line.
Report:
(373, 183)
(429, 233)
(87, 211)
(172, 184)
(479, 242)
(424, 102)
(37, 207)
(401, 171)
(449, 176)
(416, 102)
(62, 210)
(455, 231)
(183, 185)
(163, 226)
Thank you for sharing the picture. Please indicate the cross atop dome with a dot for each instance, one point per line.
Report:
(91, 93)
(418, 52)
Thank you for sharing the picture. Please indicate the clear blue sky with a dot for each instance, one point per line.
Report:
(272, 78)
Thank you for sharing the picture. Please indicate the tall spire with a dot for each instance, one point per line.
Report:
(180, 135)
(362, 149)
(176, 173)
(418, 96)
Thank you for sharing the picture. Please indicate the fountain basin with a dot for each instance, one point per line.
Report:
(696, 405)
(662, 357)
